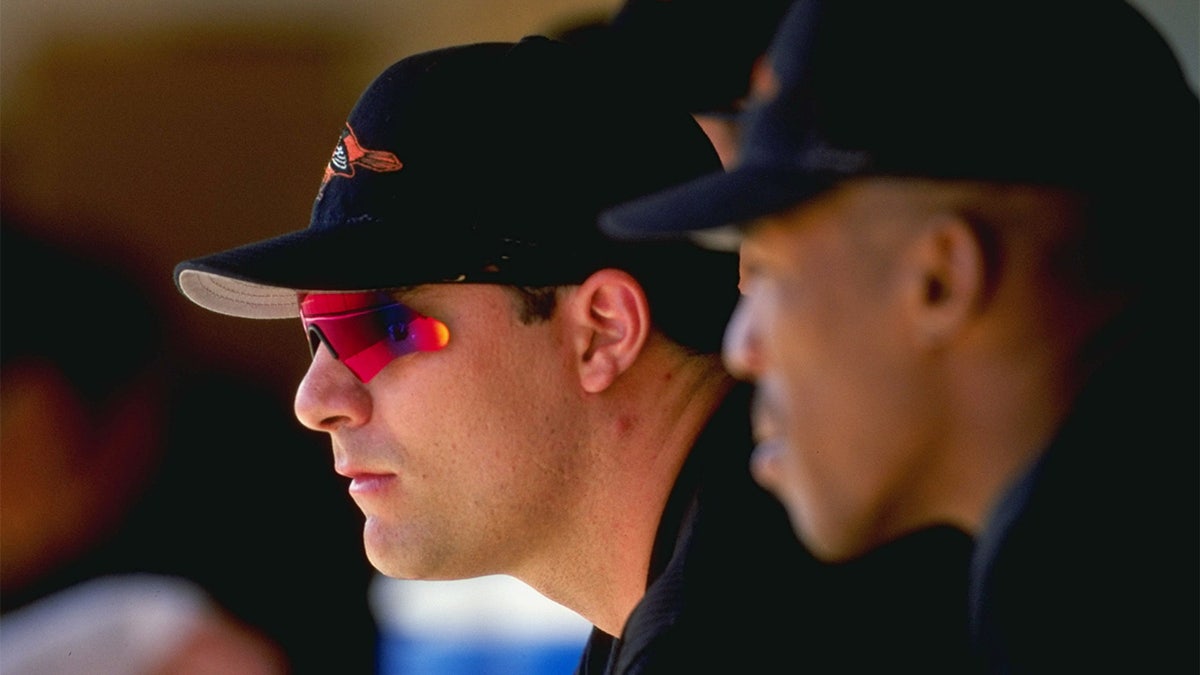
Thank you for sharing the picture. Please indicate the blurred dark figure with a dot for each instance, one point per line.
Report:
(700, 53)
(119, 467)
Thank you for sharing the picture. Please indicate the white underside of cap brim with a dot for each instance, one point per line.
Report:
(234, 297)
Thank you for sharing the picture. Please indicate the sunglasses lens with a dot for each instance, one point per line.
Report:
(366, 331)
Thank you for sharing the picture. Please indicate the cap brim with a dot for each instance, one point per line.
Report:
(707, 207)
(225, 294)
(261, 280)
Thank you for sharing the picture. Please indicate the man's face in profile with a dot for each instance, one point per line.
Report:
(821, 328)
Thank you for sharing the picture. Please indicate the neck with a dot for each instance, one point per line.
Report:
(1015, 392)
(646, 426)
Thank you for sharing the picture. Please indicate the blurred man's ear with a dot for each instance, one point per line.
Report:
(609, 319)
(947, 274)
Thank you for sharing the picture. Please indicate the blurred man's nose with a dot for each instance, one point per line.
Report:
(740, 347)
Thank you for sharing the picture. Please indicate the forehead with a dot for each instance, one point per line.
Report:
(854, 206)
(774, 235)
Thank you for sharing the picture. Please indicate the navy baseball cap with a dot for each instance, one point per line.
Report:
(1082, 94)
(480, 163)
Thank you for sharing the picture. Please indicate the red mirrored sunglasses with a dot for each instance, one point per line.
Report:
(366, 331)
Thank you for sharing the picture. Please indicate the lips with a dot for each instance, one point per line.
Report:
(766, 463)
(367, 483)
(766, 459)
(763, 423)
(364, 481)
(763, 428)
(370, 479)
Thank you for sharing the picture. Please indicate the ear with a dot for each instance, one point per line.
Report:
(947, 275)
(609, 323)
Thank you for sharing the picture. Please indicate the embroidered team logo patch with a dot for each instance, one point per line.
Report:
(349, 154)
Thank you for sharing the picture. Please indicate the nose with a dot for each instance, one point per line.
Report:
(330, 396)
(740, 348)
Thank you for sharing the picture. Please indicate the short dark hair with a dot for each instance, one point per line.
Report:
(537, 302)
(690, 304)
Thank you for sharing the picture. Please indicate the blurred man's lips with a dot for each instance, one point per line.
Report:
(763, 425)
(765, 462)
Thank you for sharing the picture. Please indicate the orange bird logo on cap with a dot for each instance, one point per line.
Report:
(349, 153)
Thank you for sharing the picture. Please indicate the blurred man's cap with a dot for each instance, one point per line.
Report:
(1082, 95)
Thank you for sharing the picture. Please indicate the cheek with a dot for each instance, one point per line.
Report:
(833, 377)
(518, 435)
(504, 408)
